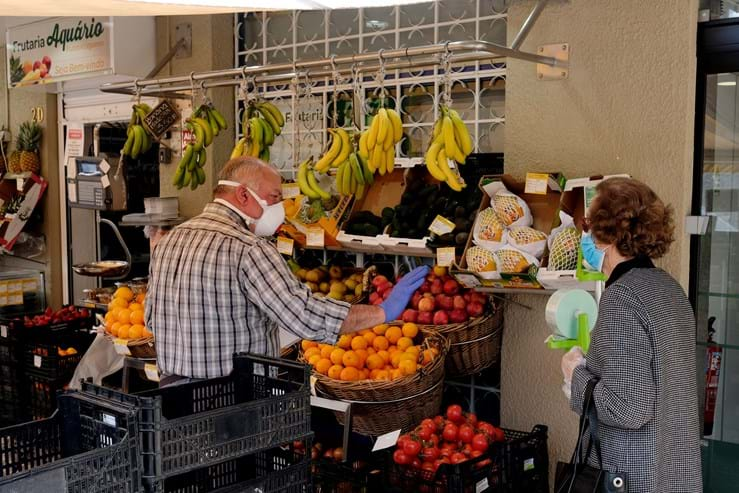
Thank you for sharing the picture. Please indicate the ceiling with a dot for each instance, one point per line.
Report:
(52, 8)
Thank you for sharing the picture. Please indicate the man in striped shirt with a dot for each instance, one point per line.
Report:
(217, 285)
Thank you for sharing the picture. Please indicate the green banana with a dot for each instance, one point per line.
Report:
(276, 113)
(269, 134)
(138, 141)
(340, 180)
(206, 128)
(369, 177)
(202, 158)
(271, 120)
(199, 135)
(193, 163)
(357, 172)
(201, 175)
(347, 185)
(179, 174)
(187, 179)
(219, 118)
(264, 155)
(126, 151)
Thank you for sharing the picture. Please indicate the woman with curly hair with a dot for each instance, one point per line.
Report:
(641, 361)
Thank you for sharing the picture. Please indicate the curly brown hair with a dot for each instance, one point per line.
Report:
(628, 214)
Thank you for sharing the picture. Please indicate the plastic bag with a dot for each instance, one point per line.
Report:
(511, 209)
(510, 260)
(527, 240)
(99, 361)
(564, 242)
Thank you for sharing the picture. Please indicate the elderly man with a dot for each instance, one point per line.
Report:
(217, 285)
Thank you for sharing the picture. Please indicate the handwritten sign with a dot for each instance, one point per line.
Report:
(536, 183)
(285, 245)
(441, 226)
(161, 118)
(445, 256)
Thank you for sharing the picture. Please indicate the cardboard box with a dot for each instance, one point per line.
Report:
(330, 224)
(544, 211)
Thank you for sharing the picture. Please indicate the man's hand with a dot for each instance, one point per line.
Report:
(402, 293)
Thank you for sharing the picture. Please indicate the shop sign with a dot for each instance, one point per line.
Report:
(58, 49)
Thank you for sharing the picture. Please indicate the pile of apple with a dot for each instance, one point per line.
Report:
(66, 314)
(441, 300)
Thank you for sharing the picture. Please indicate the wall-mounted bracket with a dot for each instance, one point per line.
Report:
(184, 31)
(561, 53)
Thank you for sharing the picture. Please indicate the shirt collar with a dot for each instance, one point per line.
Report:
(231, 211)
(640, 262)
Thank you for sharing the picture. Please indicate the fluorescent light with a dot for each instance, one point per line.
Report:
(727, 83)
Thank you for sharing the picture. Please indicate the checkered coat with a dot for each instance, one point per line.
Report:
(643, 354)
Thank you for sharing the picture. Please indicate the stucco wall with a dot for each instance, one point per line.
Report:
(627, 107)
(212, 49)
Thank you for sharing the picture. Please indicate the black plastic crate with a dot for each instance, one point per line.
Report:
(527, 461)
(13, 394)
(10, 350)
(41, 394)
(343, 477)
(42, 357)
(264, 403)
(279, 469)
(87, 446)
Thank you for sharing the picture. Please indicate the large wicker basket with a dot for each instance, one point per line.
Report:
(139, 348)
(380, 407)
(473, 345)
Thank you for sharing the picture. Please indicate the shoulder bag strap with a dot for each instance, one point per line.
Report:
(584, 422)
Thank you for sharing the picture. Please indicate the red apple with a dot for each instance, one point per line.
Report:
(459, 302)
(44, 70)
(444, 302)
(377, 301)
(379, 280)
(431, 277)
(451, 287)
(409, 316)
(374, 297)
(46, 61)
(458, 316)
(36, 64)
(425, 318)
(386, 293)
(385, 286)
(428, 295)
(475, 309)
(441, 318)
(479, 297)
(426, 305)
(425, 287)
(437, 287)
(415, 299)
(467, 296)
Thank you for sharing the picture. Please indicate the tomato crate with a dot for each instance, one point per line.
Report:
(264, 403)
(277, 470)
(51, 358)
(87, 446)
(340, 477)
(41, 394)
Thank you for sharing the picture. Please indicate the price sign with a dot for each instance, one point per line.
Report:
(151, 372)
(536, 183)
(121, 347)
(314, 237)
(4, 331)
(290, 190)
(482, 485)
(445, 256)
(285, 245)
(312, 382)
(386, 441)
(441, 226)
(37, 361)
(161, 118)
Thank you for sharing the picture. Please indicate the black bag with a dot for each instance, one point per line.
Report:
(577, 476)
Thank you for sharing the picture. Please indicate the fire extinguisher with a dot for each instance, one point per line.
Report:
(713, 367)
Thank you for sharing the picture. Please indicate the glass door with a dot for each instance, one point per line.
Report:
(715, 269)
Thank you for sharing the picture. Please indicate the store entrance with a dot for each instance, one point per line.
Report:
(715, 254)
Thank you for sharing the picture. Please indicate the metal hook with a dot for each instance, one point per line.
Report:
(137, 90)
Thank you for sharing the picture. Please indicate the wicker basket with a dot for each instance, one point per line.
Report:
(473, 345)
(379, 407)
(140, 348)
(367, 277)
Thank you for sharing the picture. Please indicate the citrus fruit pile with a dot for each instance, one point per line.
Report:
(385, 352)
(125, 317)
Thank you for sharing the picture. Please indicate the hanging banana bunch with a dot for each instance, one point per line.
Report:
(205, 124)
(138, 140)
(338, 151)
(261, 123)
(308, 182)
(384, 132)
(354, 176)
(450, 140)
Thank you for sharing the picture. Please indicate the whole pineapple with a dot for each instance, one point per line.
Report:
(29, 139)
(14, 161)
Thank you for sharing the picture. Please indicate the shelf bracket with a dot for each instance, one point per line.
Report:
(561, 53)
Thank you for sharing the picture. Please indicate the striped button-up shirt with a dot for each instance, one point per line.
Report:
(215, 289)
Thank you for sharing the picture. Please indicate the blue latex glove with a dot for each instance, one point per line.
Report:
(402, 293)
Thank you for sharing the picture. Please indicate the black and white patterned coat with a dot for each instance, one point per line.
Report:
(643, 353)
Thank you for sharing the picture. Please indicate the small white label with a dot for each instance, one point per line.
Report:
(104, 166)
(37, 361)
(3, 331)
(121, 347)
(285, 245)
(386, 441)
(528, 464)
(290, 190)
(441, 226)
(105, 181)
(536, 183)
(110, 420)
(151, 372)
(468, 280)
(314, 237)
(72, 192)
(445, 256)
(482, 485)
(19, 184)
(313, 381)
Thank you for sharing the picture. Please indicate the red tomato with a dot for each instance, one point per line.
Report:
(467, 449)
(476, 453)
(428, 466)
(440, 422)
(434, 439)
(487, 428)
(402, 439)
(499, 435)
(400, 458)
(472, 419)
(425, 433)
(458, 457)
(466, 432)
(450, 432)
(298, 445)
(411, 448)
(428, 423)
(431, 453)
(454, 413)
(480, 442)
(416, 463)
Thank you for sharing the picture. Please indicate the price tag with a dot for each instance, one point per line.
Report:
(29, 285)
(105, 181)
(151, 372)
(4, 331)
(445, 256)
(163, 116)
(528, 464)
(441, 226)
(290, 190)
(19, 184)
(314, 237)
(37, 361)
(104, 166)
(386, 441)
(468, 280)
(313, 381)
(121, 347)
(109, 420)
(285, 245)
(482, 485)
(536, 183)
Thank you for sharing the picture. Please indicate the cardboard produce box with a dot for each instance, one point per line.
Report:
(330, 224)
(544, 207)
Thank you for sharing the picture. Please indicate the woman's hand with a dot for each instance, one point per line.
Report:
(571, 360)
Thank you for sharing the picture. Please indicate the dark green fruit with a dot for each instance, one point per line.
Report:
(461, 238)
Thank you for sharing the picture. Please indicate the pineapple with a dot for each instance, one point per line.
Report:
(14, 162)
(29, 138)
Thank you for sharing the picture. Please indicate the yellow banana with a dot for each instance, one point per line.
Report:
(372, 133)
(213, 123)
(383, 125)
(437, 129)
(206, 127)
(238, 149)
(461, 133)
(447, 130)
(451, 177)
(347, 178)
(325, 162)
(346, 147)
(375, 162)
(179, 174)
(363, 148)
(397, 125)
(390, 160)
(340, 180)
(126, 151)
(199, 135)
(369, 177)
(360, 191)
(313, 183)
(431, 165)
(305, 188)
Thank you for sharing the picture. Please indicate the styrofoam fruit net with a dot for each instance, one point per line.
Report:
(508, 208)
(510, 260)
(523, 235)
(490, 228)
(563, 249)
(480, 260)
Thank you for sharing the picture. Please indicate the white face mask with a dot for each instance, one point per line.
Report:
(272, 215)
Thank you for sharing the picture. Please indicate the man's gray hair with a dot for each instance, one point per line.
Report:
(244, 169)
